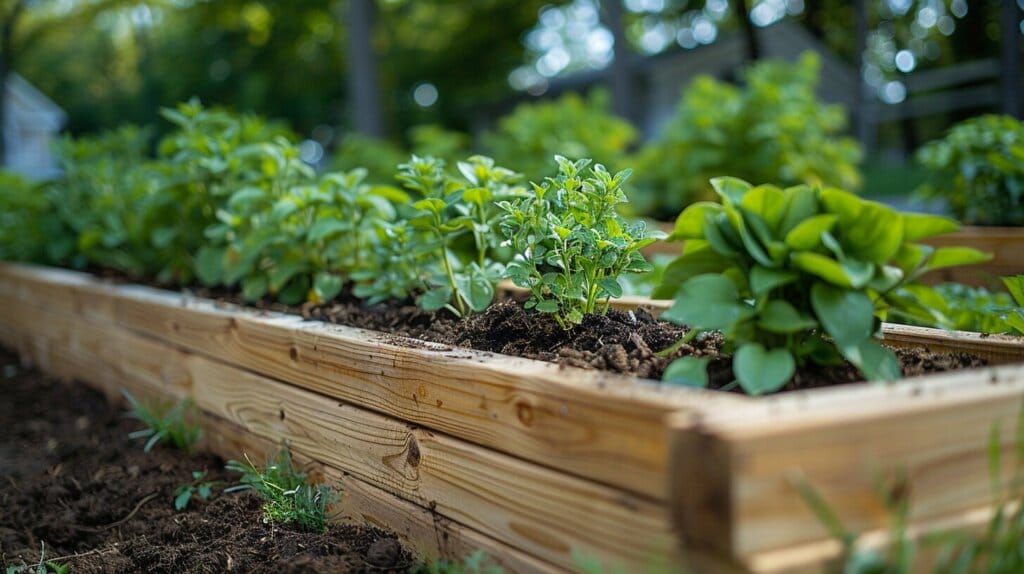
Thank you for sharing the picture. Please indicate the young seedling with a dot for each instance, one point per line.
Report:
(797, 276)
(287, 496)
(165, 423)
(570, 244)
(198, 487)
(474, 563)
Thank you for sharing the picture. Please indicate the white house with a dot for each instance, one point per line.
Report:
(31, 124)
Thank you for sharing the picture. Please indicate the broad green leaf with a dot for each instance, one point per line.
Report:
(690, 223)
(326, 285)
(254, 287)
(763, 279)
(181, 500)
(695, 261)
(822, 266)
(876, 362)
(731, 189)
(807, 234)
(768, 202)
(886, 277)
(917, 226)
(713, 232)
(953, 256)
(611, 286)
(780, 317)
(281, 273)
(1015, 285)
(431, 204)
(475, 288)
(435, 298)
(846, 315)
(801, 204)
(325, 228)
(209, 264)
(759, 371)
(707, 302)
(687, 371)
(548, 306)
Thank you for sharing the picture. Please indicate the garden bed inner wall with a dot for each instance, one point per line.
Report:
(458, 450)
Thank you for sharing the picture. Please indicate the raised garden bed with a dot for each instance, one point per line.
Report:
(458, 450)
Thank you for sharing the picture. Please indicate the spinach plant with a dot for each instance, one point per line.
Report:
(797, 276)
(570, 244)
(978, 168)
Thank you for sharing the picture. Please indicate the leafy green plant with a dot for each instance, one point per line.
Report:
(967, 308)
(1015, 316)
(448, 210)
(198, 487)
(287, 496)
(570, 244)
(165, 423)
(44, 566)
(571, 126)
(773, 128)
(797, 276)
(978, 168)
(474, 563)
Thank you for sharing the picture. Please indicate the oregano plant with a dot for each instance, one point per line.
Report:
(570, 244)
(798, 276)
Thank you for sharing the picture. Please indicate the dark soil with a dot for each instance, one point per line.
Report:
(72, 483)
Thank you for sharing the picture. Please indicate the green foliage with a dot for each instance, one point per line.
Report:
(287, 496)
(173, 424)
(978, 168)
(28, 230)
(198, 487)
(996, 550)
(772, 129)
(971, 308)
(799, 275)
(44, 566)
(474, 563)
(448, 210)
(571, 246)
(379, 156)
(570, 126)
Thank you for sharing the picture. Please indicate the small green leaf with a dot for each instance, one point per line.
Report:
(435, 298)
(254, 287)
(846, 315)
(807, 234)
(917, 226)
(475, 288)
(952, 256)
(326, 285)
(209, 264)
(690, 223)
(731, 189)
(547, 306)
(687, 371)
(182, 499)
(611, 287)
(763, 279)
(326, 228)
(759, 371)
(876, 362)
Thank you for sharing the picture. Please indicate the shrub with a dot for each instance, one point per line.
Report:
(570, 244)
(772, 129)
(571, 126)
(978, 168)
(796, 276)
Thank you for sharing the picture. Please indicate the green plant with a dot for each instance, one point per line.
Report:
(448, 210)
(570, 244)
(474, 563)
(1015, 316)
(165, 423)
(287, 496)
(44, 566)
(968, 308)
(571, 126)
(978, 168)
(773, 128)
(796, 276)
(197, 487)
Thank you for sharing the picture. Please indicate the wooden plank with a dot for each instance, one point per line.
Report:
(431, 534)
(542, 512)
(1006, 244)
(934, 430)
(605, 427)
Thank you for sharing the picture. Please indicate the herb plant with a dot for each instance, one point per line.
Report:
(978, 168)
(798, 276)
(570, 244)
(198, 487)
(772, 128)
(287, 496)
(977, 309)
(474, 563)
(165, 423)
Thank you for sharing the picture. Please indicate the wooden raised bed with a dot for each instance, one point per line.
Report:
(458, 450)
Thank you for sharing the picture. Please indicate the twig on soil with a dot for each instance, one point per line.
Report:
(94, 551)
(146, 499)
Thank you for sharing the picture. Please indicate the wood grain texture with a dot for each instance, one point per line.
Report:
(933, 432)
(1006, 244)
(597, 425)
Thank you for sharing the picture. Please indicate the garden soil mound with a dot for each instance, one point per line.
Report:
(76, 488)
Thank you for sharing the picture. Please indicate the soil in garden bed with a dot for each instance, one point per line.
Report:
(70, 479)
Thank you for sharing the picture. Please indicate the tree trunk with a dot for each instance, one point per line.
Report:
(623, 93)
(749, 32)
(364, 94)
(1011, 59)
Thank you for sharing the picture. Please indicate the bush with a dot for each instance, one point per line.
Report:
(978, 168)
(571, 126)
(797, 276)
(772, 129)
